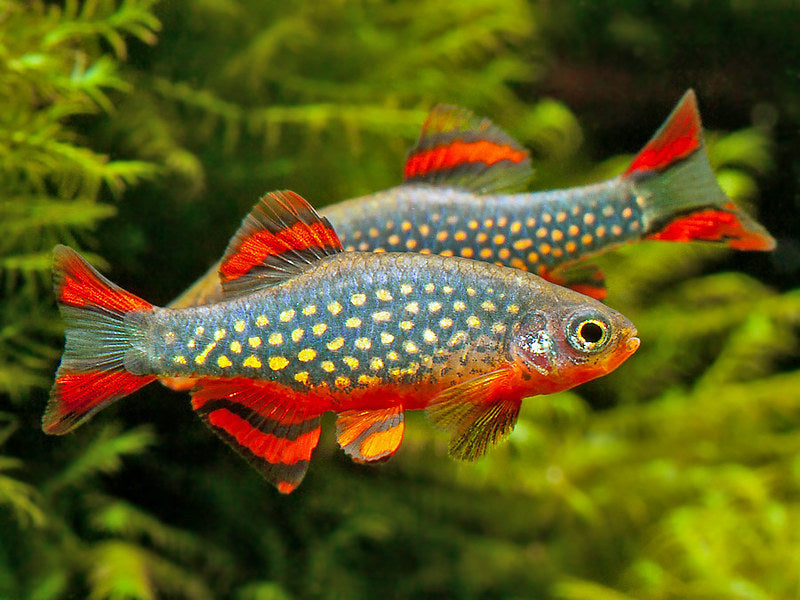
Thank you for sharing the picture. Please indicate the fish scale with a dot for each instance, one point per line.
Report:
(306, 328)
(456, 202)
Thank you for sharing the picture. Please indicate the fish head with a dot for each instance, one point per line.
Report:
(571, 342)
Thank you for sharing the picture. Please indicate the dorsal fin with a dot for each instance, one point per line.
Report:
(457, 149)
(280, 238)
(679, 136)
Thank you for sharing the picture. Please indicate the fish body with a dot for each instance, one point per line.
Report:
(306, 329)
(454, 203)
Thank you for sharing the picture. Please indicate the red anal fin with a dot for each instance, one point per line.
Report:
(77, 284)
(370, 435)
(274, 434)
(280, 238)
(584, 279)
(456, 149)
(75, 397)
(475, 413)
(678, 137)
(728, 225)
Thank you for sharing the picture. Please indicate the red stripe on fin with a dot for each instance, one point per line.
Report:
(280, 238)
(370, 435)
(728, 225)
(75, 397)
(475, 414)
(679, 136)
(457, 149)
(584, 279)
(264, 422)
(78, 284)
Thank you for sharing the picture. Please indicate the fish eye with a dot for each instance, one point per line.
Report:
(588, 333)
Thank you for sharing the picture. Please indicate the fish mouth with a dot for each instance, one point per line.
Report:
(633, 342)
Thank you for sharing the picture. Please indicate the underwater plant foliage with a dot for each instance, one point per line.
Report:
(142, 132)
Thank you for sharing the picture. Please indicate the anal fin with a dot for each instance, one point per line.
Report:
(274, 434)
(370, 435)
(475, 413)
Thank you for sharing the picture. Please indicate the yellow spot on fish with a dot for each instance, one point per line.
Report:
(255, 341)
(488, 223)
(498, 327)
(384, 295)
(274, 339)
(481, 237)
(627, 213)
(191, 344)
(504, 253)
(516, 227)
(252, 361)
(473, 224)
(523, 244)
(541, 232)
(573, 230)
(327, 366)
(411, 244)
(394, 239)
(406, 225)
(586, 239)
(547, 217)
(442, 236)
(519, 264)
(406, 325)
(488, 306)
(446, 253)
(429, 287)
(373, 232)
(530, 222)
(200, 331)
(376, 364)
(223, 361)
(471, 291)
(502, 221)
(301, 377)
(588, 218)
(368, 380)
(287, 315)
(236, 347)
(200, 359)
(459, 337)
(180, 359)
(446, 322)
(533, 257)
(429, 336)
(499, 239)
(412, 307)
(335, 344)
(238, 326)
(558, 252)
(262, 321)
(486, 253)
(392, 355)
(309, 310)
(467, 252)
(381, 316)
(353, 322)
(334, 308)
(342, 382)
(363, 343)
(351, 361)
(297, 334)
(571, 246)
(460, 236)
(319, 328)
(600, 231)
(545, 248)
(557, 235)
(434, 306)
(561, 217)
(306, 354)
(459, 305)
(513, 309)
(616, 230)
(276, 363)
(608, 210)
(410, 347)
(424, 229)
(473, 321)
(358, 299)
(447, 289)
(406, 289)
(386, 338)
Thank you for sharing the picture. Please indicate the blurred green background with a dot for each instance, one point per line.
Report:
(141, 133)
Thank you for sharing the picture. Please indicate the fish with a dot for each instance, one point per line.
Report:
(305, 328)
(454, 202)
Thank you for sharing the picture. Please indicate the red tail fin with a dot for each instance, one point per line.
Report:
(680, 197)
(92, 372)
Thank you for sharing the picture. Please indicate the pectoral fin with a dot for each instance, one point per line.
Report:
(475, 414)
(370, 435)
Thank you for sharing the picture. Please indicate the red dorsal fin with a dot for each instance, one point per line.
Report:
(264, 423)
(370, 435)
(280, 238)
(457, 149)
(678, 137)
(475, 414)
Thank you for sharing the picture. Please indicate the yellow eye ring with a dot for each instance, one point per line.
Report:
(588, 335)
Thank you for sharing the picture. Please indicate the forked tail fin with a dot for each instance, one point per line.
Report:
(100, 336)
(680, 196)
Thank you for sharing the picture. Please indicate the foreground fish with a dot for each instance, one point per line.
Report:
(451, 204)
(306, 328)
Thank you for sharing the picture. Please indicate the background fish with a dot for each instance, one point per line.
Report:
(450, 204)
(306, 328)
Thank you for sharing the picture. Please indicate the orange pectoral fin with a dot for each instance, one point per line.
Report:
(370, 435)
(271, 432)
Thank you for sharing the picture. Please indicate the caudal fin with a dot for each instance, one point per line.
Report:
(680, 196)
(100, 335)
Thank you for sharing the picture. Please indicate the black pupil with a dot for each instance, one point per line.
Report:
(591, 332)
